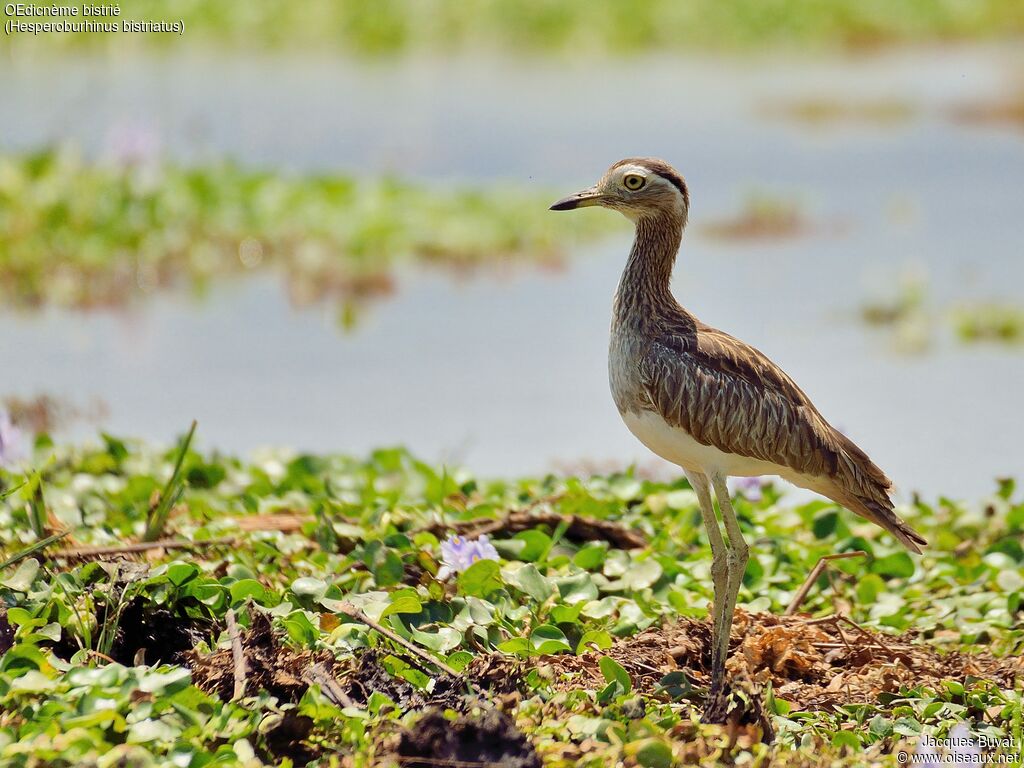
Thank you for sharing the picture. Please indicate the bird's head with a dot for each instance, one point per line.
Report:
(637, 187)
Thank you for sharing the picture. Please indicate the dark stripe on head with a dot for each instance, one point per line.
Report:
(663, 169)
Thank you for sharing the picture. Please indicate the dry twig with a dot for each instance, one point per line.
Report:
(238, 654)
(813, 576)
(143, 546)
(319, 675)
(576, 528)
(353, 612)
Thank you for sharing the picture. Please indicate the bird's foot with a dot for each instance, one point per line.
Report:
(734, 706)
(718, 706)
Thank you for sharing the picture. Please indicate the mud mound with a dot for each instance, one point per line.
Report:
(491, 739)
(271, 666)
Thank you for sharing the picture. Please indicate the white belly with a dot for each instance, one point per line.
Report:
(676, 445)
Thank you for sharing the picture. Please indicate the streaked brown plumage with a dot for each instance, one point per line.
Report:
(709, 402)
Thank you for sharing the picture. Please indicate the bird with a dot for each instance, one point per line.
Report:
(710, 403)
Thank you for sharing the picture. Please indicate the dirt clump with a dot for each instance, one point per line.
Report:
(270, 666)
(490, 739)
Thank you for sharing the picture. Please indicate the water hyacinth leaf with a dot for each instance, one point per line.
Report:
(22, 578)
(248, 589)
(594, 639)
(643, 574)
(480, 579)
(591, 555)
(566, 614)
(547, 639)
(387, 568)
(825, 524)
(651, 753)
(165, 683)
(403, 601)
(443, 640)
(576, 588)
(529, 580)
(180, 574)
(516, 645)
(459, 660)
(535, 544)
(896, 565)
(309, 586)
(615, 673)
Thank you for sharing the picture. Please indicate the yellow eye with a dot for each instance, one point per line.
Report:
(633, 181)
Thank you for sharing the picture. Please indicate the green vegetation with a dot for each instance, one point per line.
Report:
(111, 659)
(913, 319)
(85, 235)
(389, 26)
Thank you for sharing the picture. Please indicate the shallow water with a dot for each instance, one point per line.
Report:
(508, 374)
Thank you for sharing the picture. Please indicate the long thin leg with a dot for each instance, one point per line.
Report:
(720, 575)
(737, 557)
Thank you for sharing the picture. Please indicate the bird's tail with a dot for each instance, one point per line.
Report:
(882, 515)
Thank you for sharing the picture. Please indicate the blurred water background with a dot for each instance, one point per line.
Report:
(505, 373)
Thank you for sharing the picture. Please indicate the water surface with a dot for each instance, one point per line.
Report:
(507, 374)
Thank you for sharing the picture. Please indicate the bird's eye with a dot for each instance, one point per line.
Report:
(633, 181)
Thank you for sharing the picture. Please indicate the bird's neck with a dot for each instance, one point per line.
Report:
(644, 294)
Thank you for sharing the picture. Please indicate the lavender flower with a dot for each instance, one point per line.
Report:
(458, 553)
(133, 144)
(12, 443)
(750, 487)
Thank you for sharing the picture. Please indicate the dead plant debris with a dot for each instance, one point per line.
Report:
(270, 665)
(813, 664)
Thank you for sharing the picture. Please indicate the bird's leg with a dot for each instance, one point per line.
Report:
(719, 574)
(737, 557)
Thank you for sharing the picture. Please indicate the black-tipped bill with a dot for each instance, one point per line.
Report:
(580, 200)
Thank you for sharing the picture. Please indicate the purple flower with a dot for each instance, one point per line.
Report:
(458, 553)
(750, 487)
(133, 144)
(12, 442)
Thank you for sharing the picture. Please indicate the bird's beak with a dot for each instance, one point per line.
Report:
(592, 196)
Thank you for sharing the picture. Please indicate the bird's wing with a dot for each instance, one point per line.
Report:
(729, 395)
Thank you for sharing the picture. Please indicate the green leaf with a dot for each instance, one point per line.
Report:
(181, 573)
(547, 639)
(825, 524)
(173, 490)
(480, 579)
(459, 660)
(651, 753)
(643, 574)
(387, 568)
(308, 586)
(869, 587)
(529, 580)
(598, 638)
(517, 645)
(244, 589)
(536, 544)
(403, 601)
(21, 580)
(591, 556)
(576, 588)
(896, 565)
(615, 673)
(444, 640)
